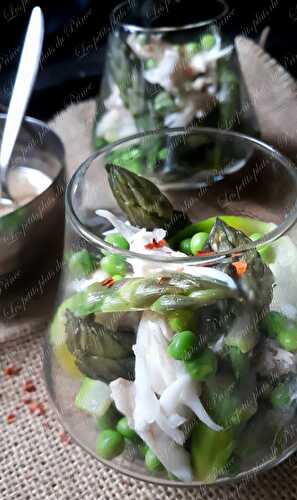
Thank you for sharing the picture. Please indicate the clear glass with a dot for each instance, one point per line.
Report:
(161, 75)
(256, 364)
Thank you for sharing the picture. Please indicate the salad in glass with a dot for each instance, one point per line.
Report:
(179, 335)
(161, 75)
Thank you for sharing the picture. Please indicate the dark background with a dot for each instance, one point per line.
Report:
(76, 34)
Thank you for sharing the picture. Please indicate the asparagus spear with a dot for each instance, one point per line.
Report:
(99, 353)
(142, 202)
(161, 293)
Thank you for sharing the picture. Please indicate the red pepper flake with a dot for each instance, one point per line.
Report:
(29, 386)
(18, 407)
(155, 244)
(26, 401)
(36, 408)
(108, 282)
(240, 267)
(65, 438)
(202, 253)
(10, 371)
(10, 418)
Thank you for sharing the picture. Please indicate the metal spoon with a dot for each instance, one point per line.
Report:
(24, 82)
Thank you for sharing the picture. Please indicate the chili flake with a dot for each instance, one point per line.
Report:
(65, 438)
(10, 371)
(108, 282)
(202, 253)
(37, 408)
(10, 418)
(29, 386)
(155, 244)
(240, 267)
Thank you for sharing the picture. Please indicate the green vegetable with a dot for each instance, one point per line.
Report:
(117, 240)
(185, 246)
(109, 419)
(117, 277)
(142, 202)
(164, 103)
(203, 366)
(243, 339)
(267, 252)
(210, 451)
(229, 404)
(152, 462)
(81, 263)
(100, 142)
(180, 320)
(207, 41)
(192, 48)
(110, 444)
(93, 397)
(280, 396)
(240, 362)
(273, 323)
(142, 449)
(182, 345)
(126, 431)
(163, 153)
(198, 242)
(150, 63)
(114, 264)
(287, 338)
(244, 224)
(199, 298)
(99, 353)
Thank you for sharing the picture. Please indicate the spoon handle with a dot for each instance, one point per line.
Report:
(25, 79)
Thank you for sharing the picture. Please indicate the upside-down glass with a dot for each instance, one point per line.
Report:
(260, 382)
(159, 74)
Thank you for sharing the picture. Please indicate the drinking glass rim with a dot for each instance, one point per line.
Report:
(87, 234)
(169, 29)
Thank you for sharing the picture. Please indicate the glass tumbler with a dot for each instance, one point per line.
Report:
(160, 74)
(172, 352)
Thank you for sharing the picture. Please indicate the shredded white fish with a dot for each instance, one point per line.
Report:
(138, 238)
(157, 420)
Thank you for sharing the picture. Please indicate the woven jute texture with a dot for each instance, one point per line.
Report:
(38, 463)
(36, 460)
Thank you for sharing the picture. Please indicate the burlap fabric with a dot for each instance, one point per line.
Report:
(37, 461)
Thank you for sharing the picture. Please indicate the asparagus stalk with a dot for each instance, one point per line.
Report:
(170, 291)
(142, 202)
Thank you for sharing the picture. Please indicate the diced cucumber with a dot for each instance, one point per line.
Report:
(93, 397)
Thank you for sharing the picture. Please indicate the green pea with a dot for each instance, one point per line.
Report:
(280, 396)
(126, 431)
(182, 345)
(162, 155)
(267, 251)
(81, 263)
(100, 142)
(287, 339)
(207, 41)
(202, 366)
(180, 320)
(114, 264)
(198, 242)
(142, 449)
(185, 246)
(117, 240)
(117, 277)
(150, 64)
(192, 48)
(110, 444)
(108, 420)
(152, 462)
(273, 323)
